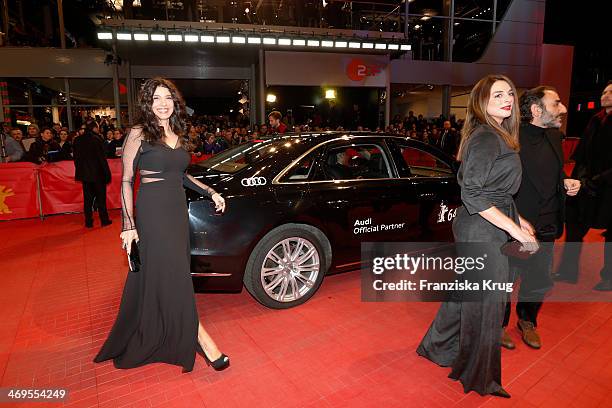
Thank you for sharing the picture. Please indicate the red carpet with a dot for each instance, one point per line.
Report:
(61, 286)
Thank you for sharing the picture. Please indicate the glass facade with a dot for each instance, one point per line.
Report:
(439, 30)
(44, 101)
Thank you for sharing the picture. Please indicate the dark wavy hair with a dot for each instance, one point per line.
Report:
(477, 115)
(152, 132)
(533, 97)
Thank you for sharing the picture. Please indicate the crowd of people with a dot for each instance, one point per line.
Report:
(208, 134)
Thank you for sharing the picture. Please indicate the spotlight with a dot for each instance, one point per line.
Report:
(141, 36)
(271, 98)
(105, 35)
(191, 38)
(124, 36)
(158, 36)
(330, 94)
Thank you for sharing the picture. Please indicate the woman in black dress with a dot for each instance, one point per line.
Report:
(157, 319)
(466, 335)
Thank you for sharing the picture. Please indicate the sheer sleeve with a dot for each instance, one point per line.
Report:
(190, 182)
(130, 156)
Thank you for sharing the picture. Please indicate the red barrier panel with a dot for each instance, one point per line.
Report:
(569, 145)
(195, 159)
(60, 193)
(18, 191)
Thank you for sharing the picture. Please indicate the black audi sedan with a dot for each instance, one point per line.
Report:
(299, 207)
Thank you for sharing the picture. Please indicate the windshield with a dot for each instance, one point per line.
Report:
(237, 158)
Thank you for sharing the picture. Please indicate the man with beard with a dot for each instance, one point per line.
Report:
(540, 200)
(592, 208)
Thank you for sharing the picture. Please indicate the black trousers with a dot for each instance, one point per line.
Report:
(570, 262)
(535, 281)
(94, 193)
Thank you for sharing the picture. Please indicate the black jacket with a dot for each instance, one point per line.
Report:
(531, 195)
(90, 159)
(593, 156)
(39, 150)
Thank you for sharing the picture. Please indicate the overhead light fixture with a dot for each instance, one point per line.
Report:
(367, 45)
(327, 43)
(207, 38)
(158, 36)
(254, 40)
(269, 41)
(223, 39)
(380, 46)
(284, 41)
(341, 44)
(354, 44)
(175, 37)
(124, 36)
(271, 98)
(299, 42)
(141, 36)
(105, 35)
(425, 18)
(192, 37)
(393, 46)
(405, 47)
(314, 43)
(238, 39)
(330, 94)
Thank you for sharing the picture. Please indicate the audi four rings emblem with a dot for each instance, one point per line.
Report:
(254, 181)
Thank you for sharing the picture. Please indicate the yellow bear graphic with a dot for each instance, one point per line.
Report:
(4, 193)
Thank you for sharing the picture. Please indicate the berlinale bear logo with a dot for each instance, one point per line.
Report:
(4, 193)
(446, 214)
(358, 70)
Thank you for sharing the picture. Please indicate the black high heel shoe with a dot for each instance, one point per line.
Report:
(501, 393)
(219, 364)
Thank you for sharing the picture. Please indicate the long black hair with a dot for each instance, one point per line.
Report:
(152, 132)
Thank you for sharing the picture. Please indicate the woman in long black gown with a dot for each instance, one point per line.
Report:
(157, 319)
(466, 333)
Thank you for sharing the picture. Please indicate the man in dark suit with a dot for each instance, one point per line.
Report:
(91, 169)
(540, 201)
(592, 208)
(448, 140)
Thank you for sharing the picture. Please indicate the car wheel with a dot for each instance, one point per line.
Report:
(287, 266)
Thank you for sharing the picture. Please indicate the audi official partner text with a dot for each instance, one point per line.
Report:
(299, 207)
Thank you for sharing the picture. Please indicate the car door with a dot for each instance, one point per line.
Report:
(360, 197)
(434, 181)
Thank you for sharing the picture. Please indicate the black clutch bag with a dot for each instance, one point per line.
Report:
(134, 257)
(515, 249)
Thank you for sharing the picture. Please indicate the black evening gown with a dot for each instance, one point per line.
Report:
(466, 335)
(157, 319)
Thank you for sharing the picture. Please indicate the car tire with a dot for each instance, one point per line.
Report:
(265, 277)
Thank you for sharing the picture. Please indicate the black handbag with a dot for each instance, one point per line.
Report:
(514, 249)
(134, 257)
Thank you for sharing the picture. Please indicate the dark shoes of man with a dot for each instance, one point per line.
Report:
(529, 334)
(605, 285)
(557, 277)
(506, 341)
(90, 224)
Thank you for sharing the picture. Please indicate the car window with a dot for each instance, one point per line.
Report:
(301, 170)
(358, 161)
(237, 158)
(422, 163)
